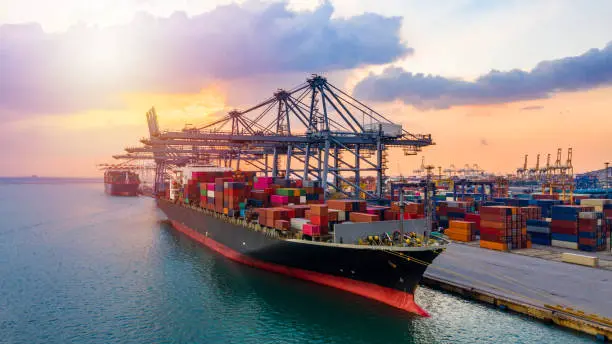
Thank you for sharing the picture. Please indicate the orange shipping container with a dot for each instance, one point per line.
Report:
(363, 217)
(459, 231)
(461, 224)
(494, 245)
(319, 209)
(460, 237)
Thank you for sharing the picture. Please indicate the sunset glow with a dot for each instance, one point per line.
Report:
(75, 86)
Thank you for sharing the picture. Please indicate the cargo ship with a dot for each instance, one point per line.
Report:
(285, 227)
(120, 182)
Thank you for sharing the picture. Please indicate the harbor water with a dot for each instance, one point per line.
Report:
(78, 266)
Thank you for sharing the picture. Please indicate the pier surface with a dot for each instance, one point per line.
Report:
(530, 284)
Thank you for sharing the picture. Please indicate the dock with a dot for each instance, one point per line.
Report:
(568, 295)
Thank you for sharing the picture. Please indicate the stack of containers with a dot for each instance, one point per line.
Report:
(598, 204)
(279, 200)
(210, 195)
(319, 216)
(531, 212)
(476, 219)
(592, 234)
(539, 231)
(377, 210)
(336, 215)
(192, 192)
(300, 210)
(607, 211)
(513, 202)
(502, 228)
(546, 206)
(283, 225)
(297, 224)
(219, 187)
(545, 196)
(311, 230)
(313, 192)
(464, 231)
(233, 194)
(203, 195)
(345, 206)
(262, 183)
(564, 225)
(294, 195)
(274, 214)
(259, 198)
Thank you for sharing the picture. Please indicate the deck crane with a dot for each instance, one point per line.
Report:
(303, 131)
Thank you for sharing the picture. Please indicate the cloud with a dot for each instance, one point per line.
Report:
(532, 108)
(589, 70)
(89, 67)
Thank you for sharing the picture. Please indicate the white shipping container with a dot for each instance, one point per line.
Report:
(341, 216)
(580, 259)
(297, 223)
(302, 199)
(564, 244)
(587, 215)
(388, 129)
(210, 193)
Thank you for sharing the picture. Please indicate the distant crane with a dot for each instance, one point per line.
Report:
(545, 171)
(421, 168)
(520, 172)
(451, 170)
(533, 172)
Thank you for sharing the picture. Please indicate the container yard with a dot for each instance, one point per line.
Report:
(300, 188)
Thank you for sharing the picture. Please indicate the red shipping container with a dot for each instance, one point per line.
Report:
(319, 220)
(563, 230)
(290, 212)
(310, 229)
(563, 224)
(587, 241)
(496, 210)
(493, 238)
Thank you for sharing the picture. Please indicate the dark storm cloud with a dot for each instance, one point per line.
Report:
(589, 70)
(88, 67)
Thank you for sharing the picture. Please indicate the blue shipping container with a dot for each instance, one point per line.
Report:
(565, 237)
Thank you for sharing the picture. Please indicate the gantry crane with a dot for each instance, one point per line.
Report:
(421, 168)
(307, 128)
(521, 171)
(560, 177)
(534, 172)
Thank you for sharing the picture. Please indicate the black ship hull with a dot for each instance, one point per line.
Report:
(118, 189)
(369, 271)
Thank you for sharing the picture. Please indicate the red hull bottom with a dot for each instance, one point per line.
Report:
(392, 297)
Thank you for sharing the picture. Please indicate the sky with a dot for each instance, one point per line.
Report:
(490, 80)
